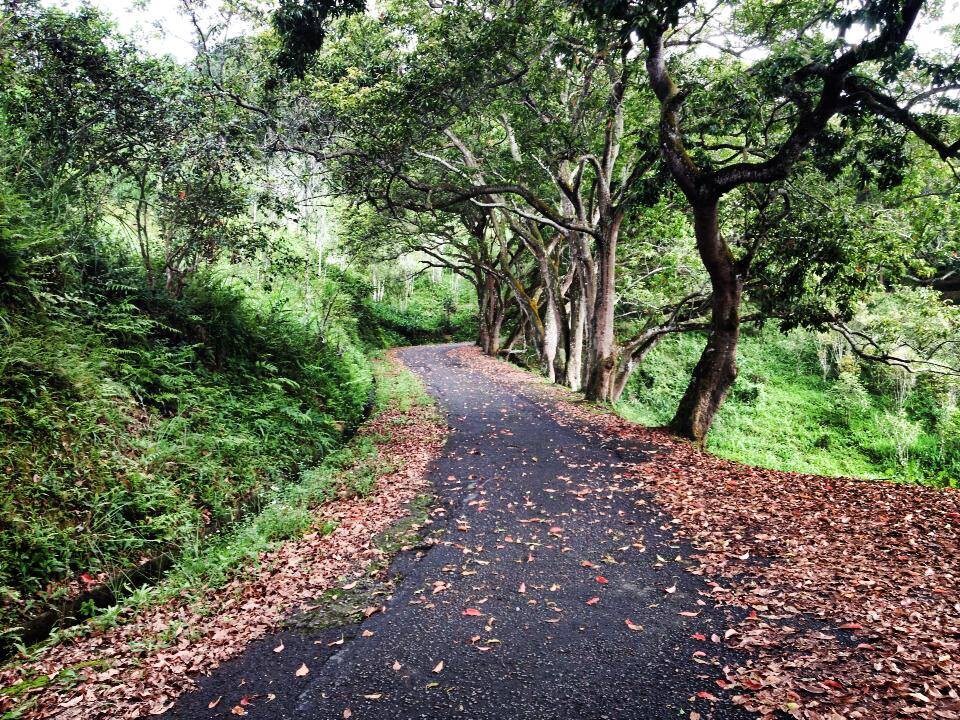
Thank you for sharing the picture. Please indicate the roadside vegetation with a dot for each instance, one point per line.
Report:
(345, 518)
(757, 249)
(168, 365)
(803, 404)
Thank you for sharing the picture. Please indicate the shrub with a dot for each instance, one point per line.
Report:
(131, 423)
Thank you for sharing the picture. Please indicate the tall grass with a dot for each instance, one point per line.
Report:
(789, 411)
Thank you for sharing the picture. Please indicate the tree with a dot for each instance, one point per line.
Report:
(140, 137)
(533, 135)
(807, 93)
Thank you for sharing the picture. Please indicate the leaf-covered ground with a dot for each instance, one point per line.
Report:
(579, 566)
(549, 586)
(843, 593)
(140, 667)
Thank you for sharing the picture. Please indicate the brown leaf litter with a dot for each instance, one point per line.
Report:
(843, 594)
(140, 667)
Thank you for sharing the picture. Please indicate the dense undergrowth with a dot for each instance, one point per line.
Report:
(799, 404)
(133, 423)
(286, 509)
(415, 313)
(278, 568)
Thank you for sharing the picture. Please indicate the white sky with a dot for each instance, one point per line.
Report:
(161, 29)
(156, 24)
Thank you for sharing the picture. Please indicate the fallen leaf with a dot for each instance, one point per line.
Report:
(593, 601)
(438, 667)
(279, 648)
(632, 625)
(472, 612)
(213, 703)
(302, 670)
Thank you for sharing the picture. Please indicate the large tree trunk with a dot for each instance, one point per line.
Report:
(496, 328)
(716, 370)
(575, 337)
(603, 351)
(491, 316)
(550, 336)
(551, 340)
(587, 272)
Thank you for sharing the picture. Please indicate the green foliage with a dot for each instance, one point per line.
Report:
(36, 262)
(287, 510)
(423, 311)
(431, 314)
(106, 130)
(787, 411)
(302, 27)
(137, 423)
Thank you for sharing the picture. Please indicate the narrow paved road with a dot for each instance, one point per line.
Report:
(554, 590)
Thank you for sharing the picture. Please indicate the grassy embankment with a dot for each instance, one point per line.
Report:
(135, 427)
(787, 413)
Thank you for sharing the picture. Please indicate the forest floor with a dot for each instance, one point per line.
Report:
(571, 565)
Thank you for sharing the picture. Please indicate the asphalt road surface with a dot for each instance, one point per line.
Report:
(553, 589)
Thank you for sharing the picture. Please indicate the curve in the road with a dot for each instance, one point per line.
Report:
(555, 589)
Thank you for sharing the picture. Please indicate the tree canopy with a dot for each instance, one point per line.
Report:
(558, 134)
